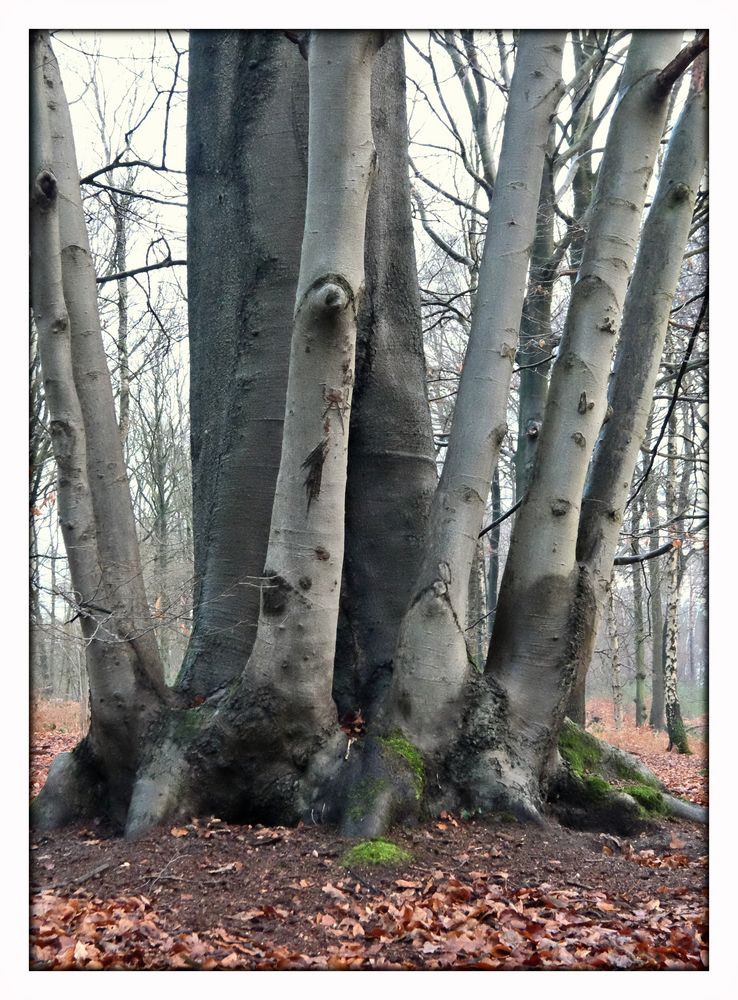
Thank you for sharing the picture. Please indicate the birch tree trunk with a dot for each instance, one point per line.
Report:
(640, 635)
(432, 661)
(656, 717)
(674, 724)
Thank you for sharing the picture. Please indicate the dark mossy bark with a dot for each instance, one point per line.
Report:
(247, 178)
(392, 469)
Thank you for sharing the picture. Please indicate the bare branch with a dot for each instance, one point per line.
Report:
(141, 270)
(671, 73)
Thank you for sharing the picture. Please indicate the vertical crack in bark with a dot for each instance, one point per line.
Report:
(314, 466)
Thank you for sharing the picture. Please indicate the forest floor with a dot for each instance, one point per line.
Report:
(475, 894)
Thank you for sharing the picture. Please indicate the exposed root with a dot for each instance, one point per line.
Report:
(73, 791)
(378, 788)
(685, 810)
(582, 795)
(497, 783)
(162, 793)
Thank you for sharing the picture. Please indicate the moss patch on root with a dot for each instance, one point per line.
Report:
(581, 751)
(363, 796)
(375, 852)
(584, 796)
(397, 743)
(596, 788)
(634, 776)
(649, 799)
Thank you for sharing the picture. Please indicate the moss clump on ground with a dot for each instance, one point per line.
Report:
(505, 817)
(647, 798)
(581, 751)
(411, 755)
(363, 796)
(375, 852)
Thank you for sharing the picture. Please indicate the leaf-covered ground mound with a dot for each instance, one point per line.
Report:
(475, 894)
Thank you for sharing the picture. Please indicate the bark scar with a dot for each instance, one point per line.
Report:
(314, 466)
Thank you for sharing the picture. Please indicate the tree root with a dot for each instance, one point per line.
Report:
(382, 784)
(162, 793)
(74, 791)
(685, 810)
(581, 795)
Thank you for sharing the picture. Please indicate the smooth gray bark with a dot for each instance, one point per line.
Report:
(493, 570)
(392, 469)
(276, 728)
(126, 688)
(656, 717)
(535, 336)
(108, 482)
(638, 620)
(543, 629)
(247, 178)
(432, 654)
(616, 677)
(643, 333)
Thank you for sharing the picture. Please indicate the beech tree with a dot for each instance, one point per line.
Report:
(332, 563)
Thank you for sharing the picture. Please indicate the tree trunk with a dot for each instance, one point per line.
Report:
(674, 723)
(639, 632)
(247, 171)
(643, 333)
(392, 468)
(615, 672)
(645, 323)
(656, 717)
(120, 264)
(493, 570)
(276, 728)
(546, 618)
(432, 661)
(126, 685)
(535, 336)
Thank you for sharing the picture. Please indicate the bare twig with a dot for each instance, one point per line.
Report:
(74, 881)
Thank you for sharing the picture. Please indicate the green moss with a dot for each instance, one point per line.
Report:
(633, 775)
(189, 722)
(397, 743)
(363, 796)
(506, 817)
(650, 800)
(596, 788)
(375, 852)
(580, 750)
